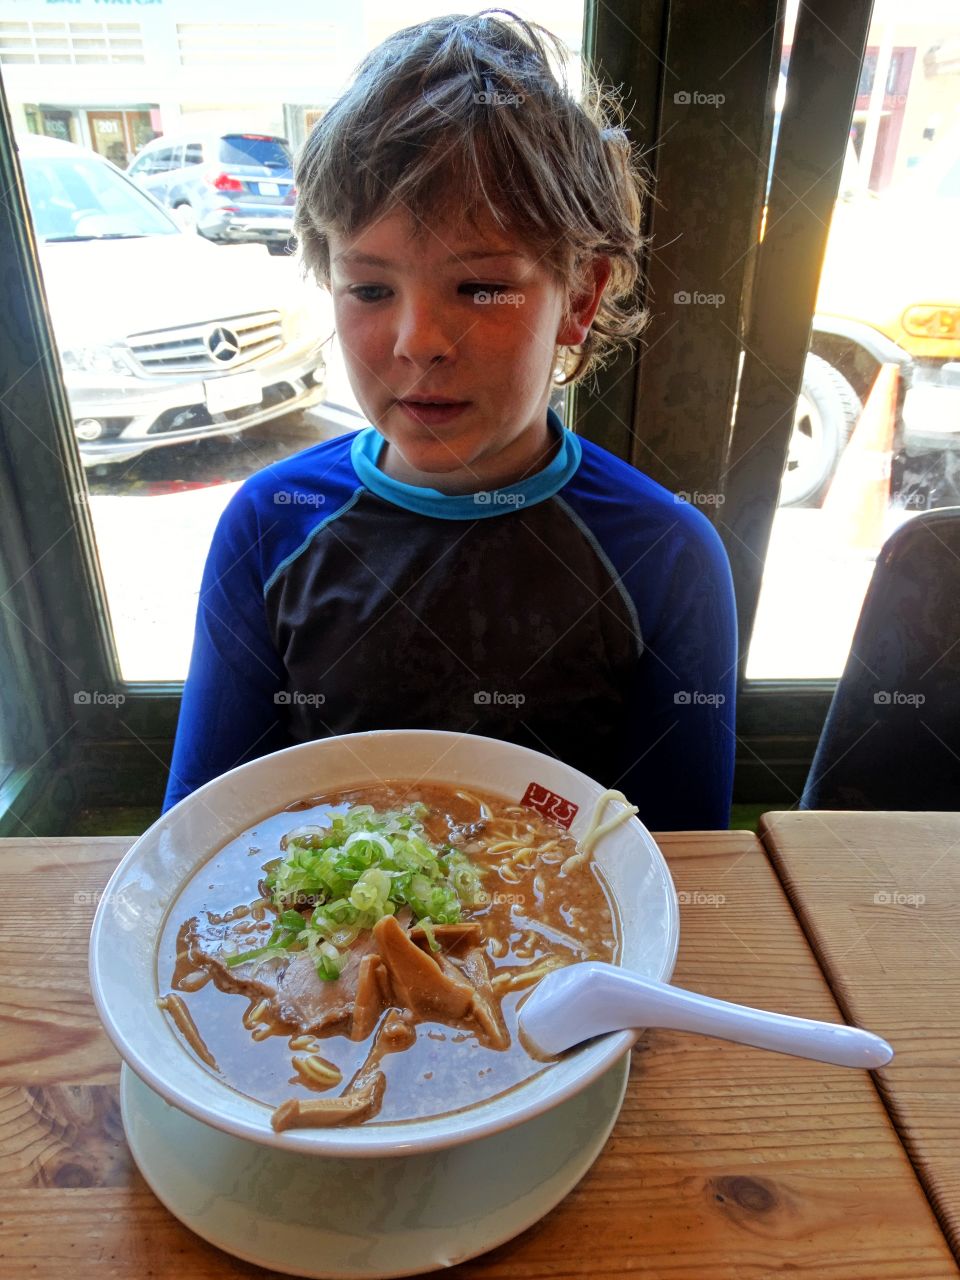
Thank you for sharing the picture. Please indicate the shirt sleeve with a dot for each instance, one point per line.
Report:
(229, 713)
(681, 708)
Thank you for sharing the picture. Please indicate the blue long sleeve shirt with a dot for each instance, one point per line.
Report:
(585, 612)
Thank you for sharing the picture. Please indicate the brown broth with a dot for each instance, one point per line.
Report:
(448, 1068)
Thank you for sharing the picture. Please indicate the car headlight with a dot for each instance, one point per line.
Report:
(932, 322)
(101, 358)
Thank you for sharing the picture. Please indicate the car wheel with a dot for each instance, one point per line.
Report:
(827, 411)
(185, 215)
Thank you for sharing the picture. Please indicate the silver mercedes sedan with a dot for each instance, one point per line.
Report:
(163, 336)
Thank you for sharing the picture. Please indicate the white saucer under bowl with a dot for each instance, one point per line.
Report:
(332, 1218)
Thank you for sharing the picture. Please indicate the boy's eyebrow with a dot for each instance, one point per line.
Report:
(468, 255)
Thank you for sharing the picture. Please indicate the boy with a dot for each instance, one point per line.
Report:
(466, 562)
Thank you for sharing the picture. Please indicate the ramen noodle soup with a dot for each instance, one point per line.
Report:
(364, 954)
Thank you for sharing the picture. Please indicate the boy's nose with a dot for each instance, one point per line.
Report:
(424, 336)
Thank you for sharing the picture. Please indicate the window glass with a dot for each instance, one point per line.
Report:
(248, 149)
(146, 309)
(876, 437)
(83, 199)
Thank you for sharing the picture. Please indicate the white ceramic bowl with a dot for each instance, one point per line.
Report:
(123, 944)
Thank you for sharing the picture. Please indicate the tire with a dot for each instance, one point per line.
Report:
(827, 411)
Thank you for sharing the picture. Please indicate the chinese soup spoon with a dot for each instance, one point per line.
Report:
(589, 999)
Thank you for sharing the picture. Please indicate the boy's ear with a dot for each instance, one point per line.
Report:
(583, 306)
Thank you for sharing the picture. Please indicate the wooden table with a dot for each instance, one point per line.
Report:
(725, 1161)
(878, 895)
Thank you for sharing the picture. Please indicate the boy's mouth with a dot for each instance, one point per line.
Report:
(432, 412)
(432, 400)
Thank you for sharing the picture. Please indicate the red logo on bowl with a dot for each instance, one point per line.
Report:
(552, 806)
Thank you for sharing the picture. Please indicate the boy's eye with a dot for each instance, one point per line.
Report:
(361, 290)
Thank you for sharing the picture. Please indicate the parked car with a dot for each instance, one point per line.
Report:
(230, 187)
(163, 338)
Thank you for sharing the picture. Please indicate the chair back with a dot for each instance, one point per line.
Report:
(891, 739)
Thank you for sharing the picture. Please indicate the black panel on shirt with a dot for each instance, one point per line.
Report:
(511, 628)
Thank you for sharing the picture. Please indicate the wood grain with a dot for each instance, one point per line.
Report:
(725, 1162)
(879, 897)
(49, 1029)
(62, 1136)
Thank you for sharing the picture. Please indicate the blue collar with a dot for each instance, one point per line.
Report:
(367, 446)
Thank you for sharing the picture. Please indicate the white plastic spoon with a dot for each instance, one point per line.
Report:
(589, 999)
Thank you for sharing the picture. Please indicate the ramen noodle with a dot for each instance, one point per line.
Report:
(365, 953)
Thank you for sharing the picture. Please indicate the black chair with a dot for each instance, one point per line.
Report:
(891, 739)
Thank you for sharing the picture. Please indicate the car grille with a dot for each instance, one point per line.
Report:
(209, 347)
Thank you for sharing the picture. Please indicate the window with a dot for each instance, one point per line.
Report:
(123, 474)
(31, 43)
(75, 199)
(164, 431)
(161, 161)
(249, 149)
(876, 434)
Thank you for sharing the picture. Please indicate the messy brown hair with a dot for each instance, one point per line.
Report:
(469, 103)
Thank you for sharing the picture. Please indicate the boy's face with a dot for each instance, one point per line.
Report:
(482, 332)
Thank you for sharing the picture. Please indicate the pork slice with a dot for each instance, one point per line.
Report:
(310, 1002)
(313, 1003)
(416, 978)
(296, 993)
(205, 941)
